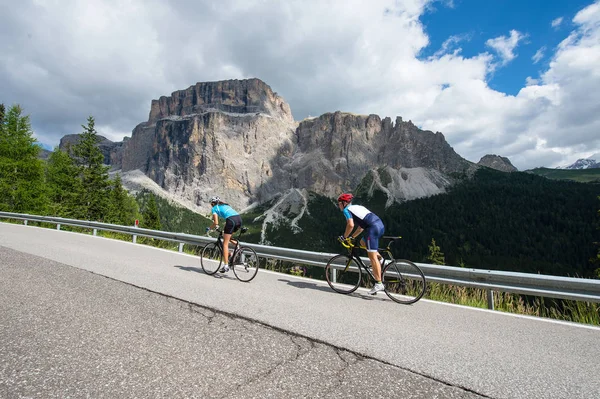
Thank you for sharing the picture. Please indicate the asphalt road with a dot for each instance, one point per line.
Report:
(159, 327)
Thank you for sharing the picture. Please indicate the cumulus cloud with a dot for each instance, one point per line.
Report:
(450, 45)
(67, 60)
(506, 45)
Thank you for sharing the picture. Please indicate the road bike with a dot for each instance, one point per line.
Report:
(243, 260)
(404, 281)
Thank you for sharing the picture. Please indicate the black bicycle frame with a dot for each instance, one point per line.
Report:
(361, 265)
(237, 243)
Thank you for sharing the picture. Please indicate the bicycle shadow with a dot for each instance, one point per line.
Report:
(190, 269)
(313, 286)
(305, 285)
(199, 270)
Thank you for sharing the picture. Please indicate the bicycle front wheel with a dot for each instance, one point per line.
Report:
(211, 258)
(404, 282)
(245, 264)
(343, 274)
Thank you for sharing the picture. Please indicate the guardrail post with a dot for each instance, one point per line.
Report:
(180, 247)
(333, 275)
(133, 236)
(95, 231)
(490, 299)
(57, 226)
(25, 222)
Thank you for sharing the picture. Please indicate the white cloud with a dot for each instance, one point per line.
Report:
(537, 57)
(557, 22)
(506, 45)
(110, 59)
(450, 45)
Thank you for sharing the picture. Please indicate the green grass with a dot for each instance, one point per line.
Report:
(566, 310)
(578, 175)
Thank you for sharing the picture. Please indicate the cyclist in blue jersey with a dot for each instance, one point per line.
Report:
(363, 219)
(233, 222)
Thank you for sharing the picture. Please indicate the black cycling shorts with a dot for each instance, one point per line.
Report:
(232, 224)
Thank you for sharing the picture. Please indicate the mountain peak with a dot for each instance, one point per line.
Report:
(246, 96)
(497, 162)
(587, 163)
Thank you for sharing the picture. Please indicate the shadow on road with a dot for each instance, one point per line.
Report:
(313, 286)
(302, 284)
(190, 269)
(199, 270)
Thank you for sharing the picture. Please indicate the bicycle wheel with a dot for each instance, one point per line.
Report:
(245, 264)
(211, 258)
(343, 274)
(404, 282)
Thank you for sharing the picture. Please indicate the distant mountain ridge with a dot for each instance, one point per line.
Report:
(583, 164)
(238, 139)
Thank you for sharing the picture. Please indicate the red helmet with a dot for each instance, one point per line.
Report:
(346, 197)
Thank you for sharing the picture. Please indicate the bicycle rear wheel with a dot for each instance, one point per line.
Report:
(343, 274)
(245, 264)
(211, 258)
(404, 282)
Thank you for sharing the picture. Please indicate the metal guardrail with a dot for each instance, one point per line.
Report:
(578, 289)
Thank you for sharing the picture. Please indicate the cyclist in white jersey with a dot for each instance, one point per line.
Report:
(365, 220)
(233, 221)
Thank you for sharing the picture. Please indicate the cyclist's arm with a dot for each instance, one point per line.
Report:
(357, 231)
(349, 227)
(215, 222)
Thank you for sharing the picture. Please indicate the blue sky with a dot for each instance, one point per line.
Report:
(461, 67)
(479, 20)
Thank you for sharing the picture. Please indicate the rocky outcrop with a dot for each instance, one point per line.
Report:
(335, 152)
(214, 138)
(250, 96)
(112, 151)
(497, 162)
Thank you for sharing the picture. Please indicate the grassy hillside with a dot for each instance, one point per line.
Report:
(174, 217)
(582, 175)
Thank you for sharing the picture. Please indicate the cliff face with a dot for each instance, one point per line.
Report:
(232, 96)
(237, 139)
(215, 138)
(336, 151)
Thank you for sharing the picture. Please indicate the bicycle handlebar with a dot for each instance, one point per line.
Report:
(349, 242)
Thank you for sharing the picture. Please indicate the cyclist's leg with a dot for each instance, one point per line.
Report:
(372, 235)
(237, 223)
(227, 232)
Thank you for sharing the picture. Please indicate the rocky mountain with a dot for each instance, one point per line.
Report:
(44, 154)
(587, 163)
(110, 149)
(238, 139)
(497, 162)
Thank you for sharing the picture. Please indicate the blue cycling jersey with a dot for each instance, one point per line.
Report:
(223, 211)
(361, 216)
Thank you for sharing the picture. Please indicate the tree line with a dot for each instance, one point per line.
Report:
(73, 183)
(493, 220)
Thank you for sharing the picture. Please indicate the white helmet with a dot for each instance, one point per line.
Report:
(215, 199)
